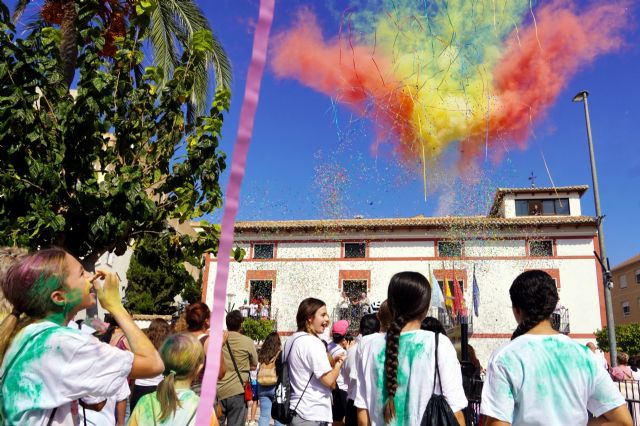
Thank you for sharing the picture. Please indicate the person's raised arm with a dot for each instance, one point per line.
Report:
(146, 360)
(329, 378)
(617, 417)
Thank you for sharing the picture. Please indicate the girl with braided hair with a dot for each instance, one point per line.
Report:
(396, 370)
(543, 377)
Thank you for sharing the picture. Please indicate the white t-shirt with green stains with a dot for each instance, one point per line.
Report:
(148, 407)
(51, 366)
(416, 367)
(546, 380)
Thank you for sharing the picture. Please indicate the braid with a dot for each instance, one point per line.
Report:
(535, 294)
(391, 366)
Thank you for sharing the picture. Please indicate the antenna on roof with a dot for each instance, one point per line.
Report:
(533, 178)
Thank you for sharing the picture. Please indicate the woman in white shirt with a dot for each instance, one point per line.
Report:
(47, 366)
(396, 371)
(158, 330)
(543, 377)
(312, 375)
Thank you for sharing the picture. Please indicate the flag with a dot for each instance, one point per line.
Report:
(476, 292)
(458, 298)
(448, 299)
(437, 298)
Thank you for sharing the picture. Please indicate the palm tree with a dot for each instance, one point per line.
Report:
(172, 25)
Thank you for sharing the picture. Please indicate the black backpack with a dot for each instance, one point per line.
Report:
(280, 410)
(438, 412)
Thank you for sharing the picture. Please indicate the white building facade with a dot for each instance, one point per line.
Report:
(527, 228)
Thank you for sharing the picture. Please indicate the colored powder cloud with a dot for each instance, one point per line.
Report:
(429, 75)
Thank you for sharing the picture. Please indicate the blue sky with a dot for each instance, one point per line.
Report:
(297, 146)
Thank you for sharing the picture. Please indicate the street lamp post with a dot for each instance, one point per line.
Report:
(606, 273)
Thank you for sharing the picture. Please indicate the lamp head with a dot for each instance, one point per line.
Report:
(580, 96)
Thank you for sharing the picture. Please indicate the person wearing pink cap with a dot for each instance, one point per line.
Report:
(338, 348)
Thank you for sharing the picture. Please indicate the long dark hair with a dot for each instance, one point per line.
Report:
(270, 348)
(535, 294)
(307, 309)
(408, 297)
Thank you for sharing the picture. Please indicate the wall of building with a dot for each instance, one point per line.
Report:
(310, 271)
(630, 294)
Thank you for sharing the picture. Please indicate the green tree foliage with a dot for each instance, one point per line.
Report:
(257, 329)
(94, 172)
(155, 277)
(627, 338)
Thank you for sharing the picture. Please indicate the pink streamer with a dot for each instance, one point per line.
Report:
(238, 165)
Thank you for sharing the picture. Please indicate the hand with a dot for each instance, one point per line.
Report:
(339, 359)
(108, 290)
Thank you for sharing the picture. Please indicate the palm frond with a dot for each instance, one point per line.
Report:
(19, 10)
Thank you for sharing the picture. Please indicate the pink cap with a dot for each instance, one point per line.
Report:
(340, 327)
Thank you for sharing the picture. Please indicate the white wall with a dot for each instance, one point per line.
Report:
(401, 249)
(575, 247)
(309, 250)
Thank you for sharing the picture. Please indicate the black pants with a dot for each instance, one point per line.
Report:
(139, 392)
(351, 419)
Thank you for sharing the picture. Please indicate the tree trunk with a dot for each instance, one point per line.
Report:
(69, 42)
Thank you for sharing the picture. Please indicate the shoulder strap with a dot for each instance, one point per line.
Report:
(310, 377)
(53, 414)
(235, 366)
(436, 373)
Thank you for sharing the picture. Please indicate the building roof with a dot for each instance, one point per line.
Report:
(631, 261)
(447, 222)
(501, 192)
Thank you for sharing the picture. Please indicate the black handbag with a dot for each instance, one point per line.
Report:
(438, 412)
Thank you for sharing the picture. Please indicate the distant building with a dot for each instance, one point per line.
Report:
(625, 294)
(526, 228)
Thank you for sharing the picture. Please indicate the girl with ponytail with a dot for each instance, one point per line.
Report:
(47, 366)
(543, 377)
(396, 372)
(174, 403)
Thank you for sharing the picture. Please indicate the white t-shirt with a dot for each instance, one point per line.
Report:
(546, 380)
(343, 380)
(308, 356)
(416, 367)
(350, 371)
(53, 366)
(106, 416)
(153, 381)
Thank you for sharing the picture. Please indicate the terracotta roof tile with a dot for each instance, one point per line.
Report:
(412, 222)
(627, 262)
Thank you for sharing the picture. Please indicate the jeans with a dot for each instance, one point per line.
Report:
(265, 396)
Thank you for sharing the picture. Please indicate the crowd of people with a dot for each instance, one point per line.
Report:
(400, 368)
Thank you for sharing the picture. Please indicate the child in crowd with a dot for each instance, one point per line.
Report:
(47, 366)
(8, 256)
(369, 324)
(158, 330)
(312, 376)
(267, 377)
(338, 347)
(396, 372)
(543, 377)
(174, 403)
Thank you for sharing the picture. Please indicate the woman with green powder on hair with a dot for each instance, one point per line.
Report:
(543, 377)
(396, 371)
(46, 366)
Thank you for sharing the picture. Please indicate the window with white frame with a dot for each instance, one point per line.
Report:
(626, 310)
(623, 281)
